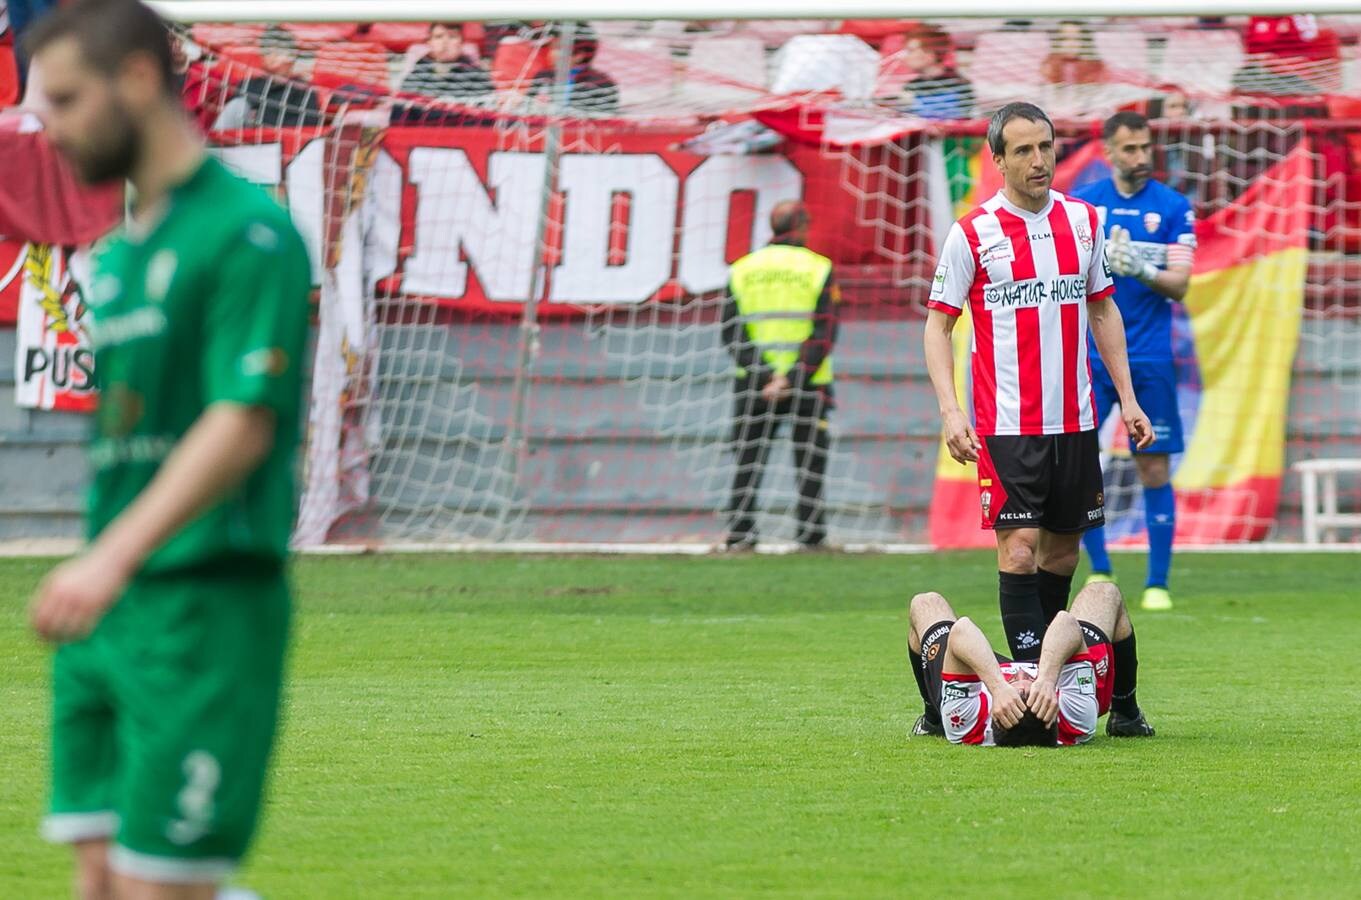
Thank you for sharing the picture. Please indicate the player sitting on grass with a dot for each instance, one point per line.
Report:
(986, 699)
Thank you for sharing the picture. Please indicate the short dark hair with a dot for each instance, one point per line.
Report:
(277, 37)
(108, 32)
(1124, 119)
(447, 26)
(1028, 111)
(932, 38)
(1029, 732)
(585, 40)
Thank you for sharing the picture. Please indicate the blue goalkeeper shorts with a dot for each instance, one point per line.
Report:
(1155, 387)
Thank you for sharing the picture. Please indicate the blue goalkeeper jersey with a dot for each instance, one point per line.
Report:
(1162, 228)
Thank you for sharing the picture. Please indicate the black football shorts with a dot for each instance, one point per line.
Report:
(1049, 481)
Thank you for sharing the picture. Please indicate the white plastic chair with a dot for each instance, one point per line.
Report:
(723, 72)
(1204, 61)
(1006, 66)
(640, 66)
(1123, 52)
(826, 62)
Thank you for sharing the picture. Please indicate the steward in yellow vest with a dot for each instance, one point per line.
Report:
(779, 324)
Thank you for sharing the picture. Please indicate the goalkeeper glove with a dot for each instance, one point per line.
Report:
(1123, 258)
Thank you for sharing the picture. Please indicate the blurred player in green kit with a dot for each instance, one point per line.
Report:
(171, 626)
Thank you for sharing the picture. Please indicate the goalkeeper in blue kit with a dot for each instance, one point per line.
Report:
(1150, 242)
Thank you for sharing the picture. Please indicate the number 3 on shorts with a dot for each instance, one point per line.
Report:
(202, 774)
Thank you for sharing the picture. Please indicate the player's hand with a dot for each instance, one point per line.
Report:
(75, 595)
(1043, 700)
(1124, 260)
(1008, 706)
(776, 389)
(1137, 424)
(960, 438)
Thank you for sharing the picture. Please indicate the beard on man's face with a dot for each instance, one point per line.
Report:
(111, 152)
(1139, 173)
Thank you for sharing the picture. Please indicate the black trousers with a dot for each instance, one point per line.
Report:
(755, 426)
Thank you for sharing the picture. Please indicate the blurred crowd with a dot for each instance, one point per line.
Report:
(443, 72)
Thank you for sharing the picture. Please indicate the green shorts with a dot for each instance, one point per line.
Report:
(163, 720)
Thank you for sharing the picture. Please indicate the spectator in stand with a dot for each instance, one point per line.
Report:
(275, 99)
(1172, 105)
(1072, 56)
(445, 72)
(1185, 156)
(496, 32)
(936, 91)
(587, 89)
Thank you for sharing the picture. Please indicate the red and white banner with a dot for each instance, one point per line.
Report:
(53, 362)
(634, 217)
(452, 217)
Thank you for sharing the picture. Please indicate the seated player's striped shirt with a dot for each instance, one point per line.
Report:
(966, 705)
(1026, 278)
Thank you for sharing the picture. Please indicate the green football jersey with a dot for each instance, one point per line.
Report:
(209, 306)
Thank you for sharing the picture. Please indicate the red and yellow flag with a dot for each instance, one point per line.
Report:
(1245, 305)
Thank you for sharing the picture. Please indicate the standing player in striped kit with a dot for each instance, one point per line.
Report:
(1151, 239)
(1030, 265)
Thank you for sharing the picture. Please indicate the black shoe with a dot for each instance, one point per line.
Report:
(925, 726)
(1118, 725)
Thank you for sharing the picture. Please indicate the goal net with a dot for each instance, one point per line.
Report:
(521, 256)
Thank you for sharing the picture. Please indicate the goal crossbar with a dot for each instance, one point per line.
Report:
(489, 10)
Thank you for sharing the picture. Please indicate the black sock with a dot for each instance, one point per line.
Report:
(1022, 616)
(1126, 677)
(919, 672)
(1054, 591)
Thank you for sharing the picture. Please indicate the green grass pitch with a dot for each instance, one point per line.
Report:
(464, 726)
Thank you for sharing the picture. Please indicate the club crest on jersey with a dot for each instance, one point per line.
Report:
(1084, 237)
(159, 273)
(1151, 221)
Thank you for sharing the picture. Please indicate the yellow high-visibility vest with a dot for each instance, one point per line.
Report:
(776, 290)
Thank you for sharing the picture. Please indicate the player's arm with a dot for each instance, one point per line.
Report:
(969, 653)
(960, 438)
(1171, 282)
(1061, 641)
(1108, 330)
(1174, 281)
(220, 450)
(949, 287)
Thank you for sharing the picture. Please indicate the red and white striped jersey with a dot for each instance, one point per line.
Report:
(1027, 278)
(966, 705)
